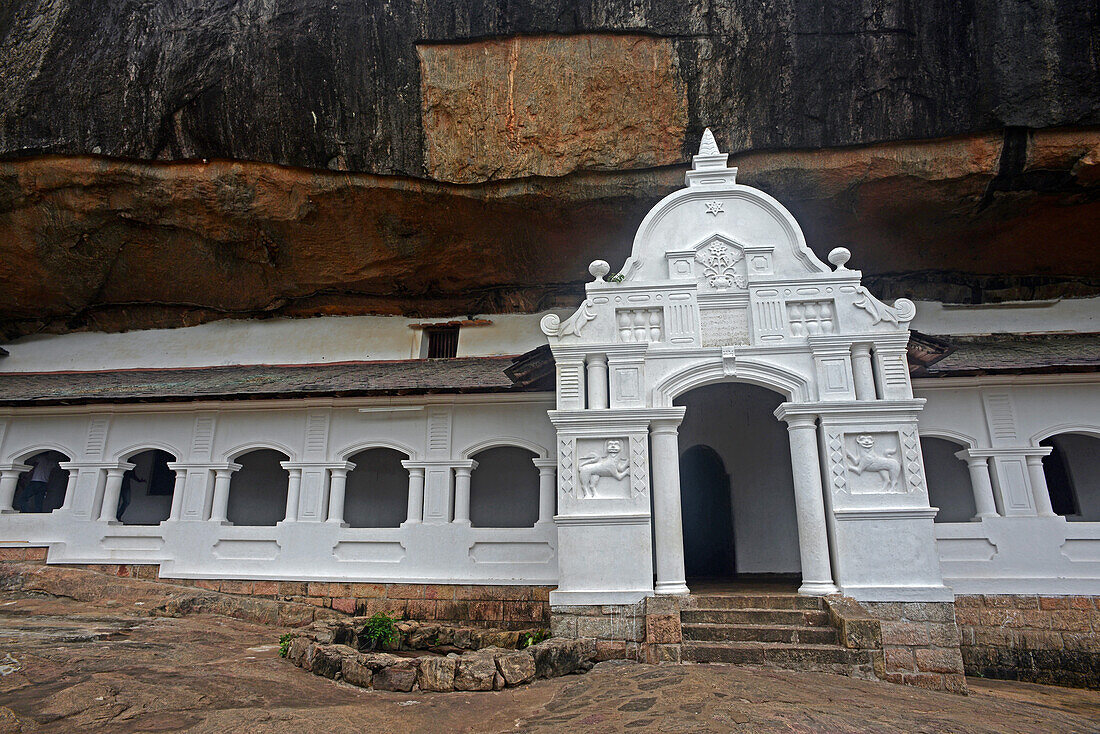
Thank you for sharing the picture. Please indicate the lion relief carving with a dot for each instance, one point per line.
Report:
(866, 459)
(592, 467)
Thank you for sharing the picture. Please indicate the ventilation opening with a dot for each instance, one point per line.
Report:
(439, 342)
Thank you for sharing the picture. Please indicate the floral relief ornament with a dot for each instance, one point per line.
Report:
(718, 261)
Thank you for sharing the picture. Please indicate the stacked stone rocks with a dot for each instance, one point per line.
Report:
(491, 660)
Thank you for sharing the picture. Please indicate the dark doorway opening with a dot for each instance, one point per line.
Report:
(707, 514)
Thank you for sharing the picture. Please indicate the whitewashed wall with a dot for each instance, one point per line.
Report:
(437, 436)
(1021, 547)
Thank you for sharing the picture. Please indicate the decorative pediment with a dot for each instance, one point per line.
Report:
(717, 262)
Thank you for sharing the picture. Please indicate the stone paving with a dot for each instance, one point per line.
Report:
(67, 666)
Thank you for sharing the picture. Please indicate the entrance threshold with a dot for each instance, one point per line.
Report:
(745, 584)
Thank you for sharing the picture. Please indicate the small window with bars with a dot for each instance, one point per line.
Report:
(439, 342)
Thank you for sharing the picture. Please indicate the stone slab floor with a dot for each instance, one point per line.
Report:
(68, 667)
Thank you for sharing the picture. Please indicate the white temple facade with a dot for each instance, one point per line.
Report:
(725, 405)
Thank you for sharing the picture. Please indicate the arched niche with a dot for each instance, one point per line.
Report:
(377, 490)
(145, 497)
(1073, 475)
(258, 490)
(504, 488)
(42, 488)
(949, 485)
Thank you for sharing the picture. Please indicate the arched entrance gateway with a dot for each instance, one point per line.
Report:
(721, 288)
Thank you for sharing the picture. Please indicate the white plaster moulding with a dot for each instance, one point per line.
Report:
(1030, 585)
(223, 406)
(953, 383)
(639, 518)
(605, 420)
(1019, 451)
(767, 203)
(561, 601)
(887, 513)
(899, 593)
(856, 409)
(393, 409)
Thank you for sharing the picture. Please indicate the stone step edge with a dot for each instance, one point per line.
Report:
(747, 626)
(757, 645)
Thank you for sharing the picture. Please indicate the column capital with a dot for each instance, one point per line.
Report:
(226, 470)
(545, 464)
(665, 425)
(971, 458)
(597, 358)
(184, 466)
(1036, 459)
(800, 420)
(18, 468)
(414, 467)
(119, 469)
(464, 468)
(861, 349)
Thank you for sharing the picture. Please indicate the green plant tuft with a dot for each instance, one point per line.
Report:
(379, 629)
(534, 638)
(284, 644)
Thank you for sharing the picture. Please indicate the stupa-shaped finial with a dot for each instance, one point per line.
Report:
(710, 163)
(707, 146)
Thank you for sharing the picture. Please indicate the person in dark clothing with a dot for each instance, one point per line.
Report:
(34, 494)
(125, 491)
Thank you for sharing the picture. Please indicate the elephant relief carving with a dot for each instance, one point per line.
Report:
(866, 459)
(593, 466)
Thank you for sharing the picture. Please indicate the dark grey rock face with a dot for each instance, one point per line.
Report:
(336, 83)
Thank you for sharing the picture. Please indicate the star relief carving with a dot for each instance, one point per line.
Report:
(714, 207)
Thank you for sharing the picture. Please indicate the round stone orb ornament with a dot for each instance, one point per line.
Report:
(839, 256)
(598, 269)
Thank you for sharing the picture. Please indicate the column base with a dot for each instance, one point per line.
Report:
(337, 523)
(983, 515)
(818, 588)
(12, 511)
(671, 589)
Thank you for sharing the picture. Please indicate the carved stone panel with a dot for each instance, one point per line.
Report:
(874, 464)
(604, 468)
(724, 326)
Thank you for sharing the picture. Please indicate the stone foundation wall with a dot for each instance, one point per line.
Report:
(1042, 639)
(618, 629)
(920, 644)
(506, 607)
(23, 554)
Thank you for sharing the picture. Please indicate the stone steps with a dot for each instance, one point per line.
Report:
(774, 630)
(760, 633)
(754, 601)
(786, 617)
(806, 657)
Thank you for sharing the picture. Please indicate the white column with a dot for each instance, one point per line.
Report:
(337, 493)
(220, 508)
(809, 503)
(985, 505)
(1039, 490)
(177, 492)
(597, 381)
(548, 488)
(416, 494)
(668, 525)
(462, 491)
(863, 371)
(109, 509)
(293, 492)
(9, 480)
(70, 485)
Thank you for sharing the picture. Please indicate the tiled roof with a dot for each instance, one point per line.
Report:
(407, 377)
(972, 355)
(1016, 353)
